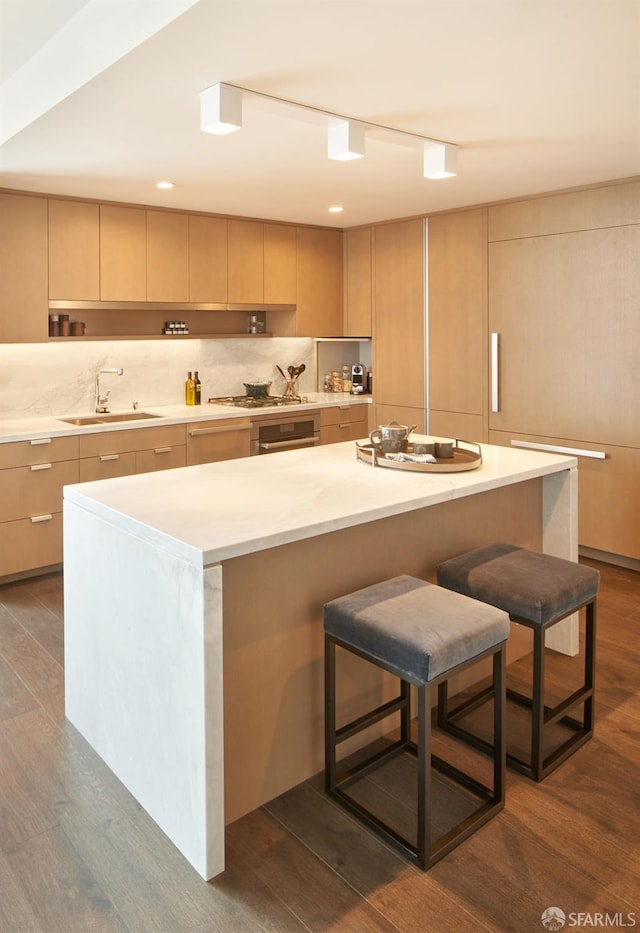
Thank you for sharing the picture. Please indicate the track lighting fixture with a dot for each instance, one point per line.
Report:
(221, 113)
(345, 139)
(440, 159)
(221, 109)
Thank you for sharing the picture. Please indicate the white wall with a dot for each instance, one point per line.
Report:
(58, 379)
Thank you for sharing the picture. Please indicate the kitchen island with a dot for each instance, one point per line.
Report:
(193, 609)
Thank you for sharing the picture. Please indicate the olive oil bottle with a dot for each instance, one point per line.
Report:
(190, 390)
(197, 389)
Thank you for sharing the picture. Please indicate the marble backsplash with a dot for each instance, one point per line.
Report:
(59, 379)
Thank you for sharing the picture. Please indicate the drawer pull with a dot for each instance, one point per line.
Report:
(344, 407)
(553, 449)
(200, 432)
(105, 457)
(162, 450)
(344, 424)
(40, 466)
(41, 518)
(36, 442)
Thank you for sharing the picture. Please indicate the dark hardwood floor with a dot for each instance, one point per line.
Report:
(77, 854)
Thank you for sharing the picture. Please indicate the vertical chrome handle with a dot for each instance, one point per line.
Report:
(495, 381)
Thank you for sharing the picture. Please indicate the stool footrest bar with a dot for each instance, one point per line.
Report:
(369, 719)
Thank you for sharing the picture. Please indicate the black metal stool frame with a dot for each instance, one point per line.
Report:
(426, 853)
(542, 716)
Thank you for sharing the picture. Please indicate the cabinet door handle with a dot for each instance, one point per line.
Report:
(200, 432)
(162, 450)
(41, 518)
(40, 466)
(555, 449)
(495, 372)
(105, 457)
(36, 442)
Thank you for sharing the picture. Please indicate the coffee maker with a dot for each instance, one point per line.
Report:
(358, 379)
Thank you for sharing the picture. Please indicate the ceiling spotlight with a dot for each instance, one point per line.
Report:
(164, 184)
(440, 159)
(346, 140)
(220, 109)
(336, 209)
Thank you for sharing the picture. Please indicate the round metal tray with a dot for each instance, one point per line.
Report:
(467, 455)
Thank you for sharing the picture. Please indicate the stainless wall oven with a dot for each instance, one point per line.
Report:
(284, 431)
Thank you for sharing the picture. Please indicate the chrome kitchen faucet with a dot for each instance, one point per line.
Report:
(102, 401)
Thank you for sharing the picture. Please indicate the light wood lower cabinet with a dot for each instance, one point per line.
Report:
(107, 466)
(212, 441)
(141, 450)
(343, 423)
(608, 491)
(28, 491)
(32, 474)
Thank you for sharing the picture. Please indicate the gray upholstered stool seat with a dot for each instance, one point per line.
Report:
(422, 634)
(537, 590)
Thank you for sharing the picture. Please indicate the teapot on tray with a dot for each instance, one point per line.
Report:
(391, 438)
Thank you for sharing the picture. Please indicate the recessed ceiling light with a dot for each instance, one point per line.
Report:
(336, 209)
(164, 184)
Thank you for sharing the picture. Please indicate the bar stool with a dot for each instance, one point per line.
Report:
(537, 590)
(422, 634)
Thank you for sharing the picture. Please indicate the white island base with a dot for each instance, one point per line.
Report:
(193, 609)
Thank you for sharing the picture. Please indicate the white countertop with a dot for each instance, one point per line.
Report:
(23, 429)
(209, 513)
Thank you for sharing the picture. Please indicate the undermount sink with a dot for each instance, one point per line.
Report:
(130, 416)
(108, 418)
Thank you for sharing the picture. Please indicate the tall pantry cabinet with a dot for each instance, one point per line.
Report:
(399, 323)
(556, 281)
(457, 309)
(564, 306)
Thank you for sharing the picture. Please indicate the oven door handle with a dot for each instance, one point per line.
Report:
(294, 442)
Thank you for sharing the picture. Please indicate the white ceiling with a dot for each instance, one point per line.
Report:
(100, 98)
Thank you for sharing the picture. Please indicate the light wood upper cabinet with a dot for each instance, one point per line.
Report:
(319, 276)
(280, 264)
(167, 256)
(612, 205)
(23, 269)
(566, 309)
(74, 250)
(399, 327)
(358, 283)
(246, 261)
(207, 259)
(456, 246)
(123, 253)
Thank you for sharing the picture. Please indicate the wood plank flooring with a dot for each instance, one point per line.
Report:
(77, 853)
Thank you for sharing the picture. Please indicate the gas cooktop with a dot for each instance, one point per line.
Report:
(249, 401)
